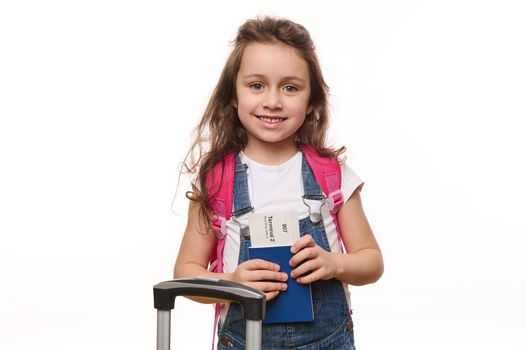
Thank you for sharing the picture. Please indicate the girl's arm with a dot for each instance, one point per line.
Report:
(363, 262)
(194, 251)
(192, 261)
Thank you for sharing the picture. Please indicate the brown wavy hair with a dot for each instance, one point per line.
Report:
(220, 132)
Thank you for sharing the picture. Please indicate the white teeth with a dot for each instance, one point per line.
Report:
(270, 120)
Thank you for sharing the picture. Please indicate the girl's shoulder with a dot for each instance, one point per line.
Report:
(332, 158)
(324, 152)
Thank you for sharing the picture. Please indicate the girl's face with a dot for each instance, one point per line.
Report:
(273, 92)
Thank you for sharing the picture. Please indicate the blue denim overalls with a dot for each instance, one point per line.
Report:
(332, 327)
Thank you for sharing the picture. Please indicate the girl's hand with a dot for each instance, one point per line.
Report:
(314, 262)
(262, 275)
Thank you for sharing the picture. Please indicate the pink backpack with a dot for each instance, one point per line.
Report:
(220, 187)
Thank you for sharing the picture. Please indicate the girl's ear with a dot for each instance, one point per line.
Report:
(309, 109)
(234, 103)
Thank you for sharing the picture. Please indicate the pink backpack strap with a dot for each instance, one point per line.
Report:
(220, 188)
(328, 174)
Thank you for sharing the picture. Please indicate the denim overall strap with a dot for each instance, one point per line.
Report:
(332, 325)
(311, 189)
(242, 199)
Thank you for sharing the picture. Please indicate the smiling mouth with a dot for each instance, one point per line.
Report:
(268, 119)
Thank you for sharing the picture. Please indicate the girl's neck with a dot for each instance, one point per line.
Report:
(271, 153)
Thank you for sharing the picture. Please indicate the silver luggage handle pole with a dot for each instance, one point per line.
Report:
(252, 302)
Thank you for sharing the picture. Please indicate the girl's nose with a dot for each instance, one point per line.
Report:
(272, 99)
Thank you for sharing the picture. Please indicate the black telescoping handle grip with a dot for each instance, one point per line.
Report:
(252, 300)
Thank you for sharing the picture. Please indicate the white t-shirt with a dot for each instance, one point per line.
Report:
(279, 188)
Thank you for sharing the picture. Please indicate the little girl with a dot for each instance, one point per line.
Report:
(269, 106)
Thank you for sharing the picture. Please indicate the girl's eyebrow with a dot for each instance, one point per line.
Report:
(291, 77)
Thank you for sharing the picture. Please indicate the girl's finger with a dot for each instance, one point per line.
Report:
(311, 277)
(304, 268)
(302, 255)
(269, 286)
(305, 241)
(266, 275)
(260, 264)
(271, 295)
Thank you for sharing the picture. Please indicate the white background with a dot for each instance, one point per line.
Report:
(97, 101)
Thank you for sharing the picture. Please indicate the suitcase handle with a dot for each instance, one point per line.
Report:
(252, 300)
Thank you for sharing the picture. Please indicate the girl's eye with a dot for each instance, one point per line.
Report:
(290, 88)
(256, 86)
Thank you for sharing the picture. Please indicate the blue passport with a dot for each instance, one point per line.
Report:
(292, 305)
